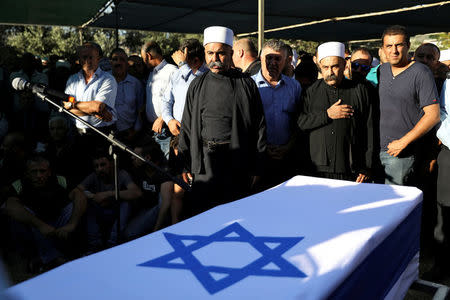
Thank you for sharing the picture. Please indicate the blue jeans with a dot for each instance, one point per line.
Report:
(163, 140)
(397, 170)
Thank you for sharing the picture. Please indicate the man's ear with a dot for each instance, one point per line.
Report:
(241, 52)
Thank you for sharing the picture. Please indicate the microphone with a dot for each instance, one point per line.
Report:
(20, 84)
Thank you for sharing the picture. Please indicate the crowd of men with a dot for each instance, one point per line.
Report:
(225, 119)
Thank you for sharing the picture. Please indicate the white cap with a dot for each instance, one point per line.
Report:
(330, 49)
(445, 55)
(218, 34)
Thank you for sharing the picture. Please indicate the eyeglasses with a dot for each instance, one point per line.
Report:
(356, 66)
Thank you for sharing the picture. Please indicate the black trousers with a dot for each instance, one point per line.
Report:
(219, 184)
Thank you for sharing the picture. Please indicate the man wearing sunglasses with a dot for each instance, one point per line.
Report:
(360, 61)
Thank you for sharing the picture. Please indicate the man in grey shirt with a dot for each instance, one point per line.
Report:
(409, 106)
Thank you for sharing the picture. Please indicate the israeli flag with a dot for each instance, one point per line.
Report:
(308, 238)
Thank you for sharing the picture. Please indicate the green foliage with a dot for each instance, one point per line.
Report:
(443, 40)
(299, 45)
(45, 40)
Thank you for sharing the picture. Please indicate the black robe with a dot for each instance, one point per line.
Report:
(341, 146)
(247, 139)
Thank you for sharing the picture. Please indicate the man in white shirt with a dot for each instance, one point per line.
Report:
(158, 80)
(94, 91)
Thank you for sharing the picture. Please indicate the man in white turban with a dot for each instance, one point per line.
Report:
(337, 120)
(222, 137)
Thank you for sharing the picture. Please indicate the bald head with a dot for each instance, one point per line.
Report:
(244, 53)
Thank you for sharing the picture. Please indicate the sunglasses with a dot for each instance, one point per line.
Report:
(356, 66)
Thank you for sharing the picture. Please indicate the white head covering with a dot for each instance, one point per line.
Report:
(330, 49)
(445, 55)
(218, 34)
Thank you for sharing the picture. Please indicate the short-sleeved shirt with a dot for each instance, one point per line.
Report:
(150, 186)
(46, 202)
(102, 87)
(130, 98)
(94, 185)
(281, 104)
(402, 99)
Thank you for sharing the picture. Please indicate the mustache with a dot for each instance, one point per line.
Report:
(331, 77)
(215, 64)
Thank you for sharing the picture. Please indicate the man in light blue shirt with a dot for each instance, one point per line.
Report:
(130, 96)
(94, 91)
(442, 229)
(192, 64)
(280, 96)
(191, 61)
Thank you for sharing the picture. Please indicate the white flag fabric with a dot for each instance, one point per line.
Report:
(308, 238)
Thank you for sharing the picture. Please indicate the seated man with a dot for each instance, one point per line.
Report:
(60, 148)
(50, 214)
(157, 189)
(100, 190)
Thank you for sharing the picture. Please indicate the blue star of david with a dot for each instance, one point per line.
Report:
(256, 268)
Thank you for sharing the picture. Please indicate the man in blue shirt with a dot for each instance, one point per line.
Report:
(442, 229)
(191, 64)
(280, 96)
(129, 99)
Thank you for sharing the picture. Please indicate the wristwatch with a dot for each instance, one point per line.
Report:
(181, 63)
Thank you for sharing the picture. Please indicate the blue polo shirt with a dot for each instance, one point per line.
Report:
(281, 104)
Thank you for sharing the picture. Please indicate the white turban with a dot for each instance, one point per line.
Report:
(330, 49)
(218, 34)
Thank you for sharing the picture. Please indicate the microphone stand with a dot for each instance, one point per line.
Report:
(119, 145)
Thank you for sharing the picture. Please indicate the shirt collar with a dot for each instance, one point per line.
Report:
(186, 71)
(97, 73)
(261, 80)
(160, 66)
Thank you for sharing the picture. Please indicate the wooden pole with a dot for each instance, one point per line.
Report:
(260, 24)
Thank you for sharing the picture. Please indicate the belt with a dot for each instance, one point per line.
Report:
(213, 145)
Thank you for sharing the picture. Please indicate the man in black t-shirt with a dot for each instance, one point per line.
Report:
(409, 106)
(153, 208)
(50, 214)
(99, 188)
